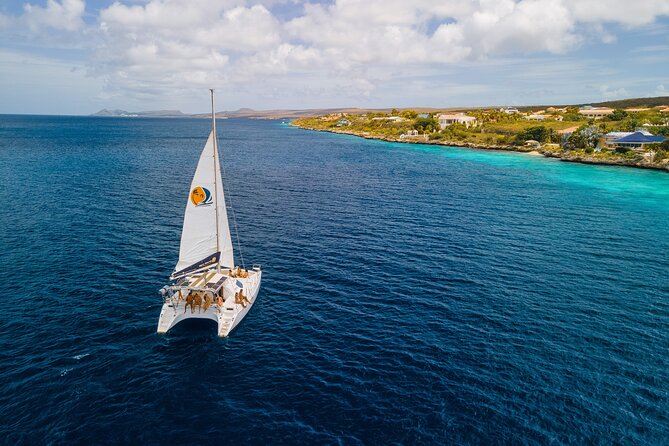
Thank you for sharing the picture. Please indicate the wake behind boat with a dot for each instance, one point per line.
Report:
(206, 284)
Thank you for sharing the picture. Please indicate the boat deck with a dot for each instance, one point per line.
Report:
(210, 295)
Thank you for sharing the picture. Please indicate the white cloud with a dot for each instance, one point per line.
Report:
(191, 44)
(5, 22)
(35, 80)
(661, 90)
(64, 15)
(625, 12)
(174, 46)
(609, 93)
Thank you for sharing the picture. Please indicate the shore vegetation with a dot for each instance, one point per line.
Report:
(566, 133)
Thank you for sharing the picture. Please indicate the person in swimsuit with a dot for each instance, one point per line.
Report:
(189, 301)
(208, 301)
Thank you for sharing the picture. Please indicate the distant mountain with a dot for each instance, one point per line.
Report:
(152, 113)
(289, 114)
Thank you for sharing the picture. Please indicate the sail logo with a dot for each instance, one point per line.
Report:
(200, 196)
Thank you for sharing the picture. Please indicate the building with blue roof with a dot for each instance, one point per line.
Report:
(637, 141)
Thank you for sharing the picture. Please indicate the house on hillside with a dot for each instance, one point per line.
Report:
(637, 141)
(459, 118)
(412, 134)
(390, 118)
(509, 110)
(612, 136)
(542, 117)
(595, 112)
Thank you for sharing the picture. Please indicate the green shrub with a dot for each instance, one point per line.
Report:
(618, 115)
(538, 133)
(426, 124)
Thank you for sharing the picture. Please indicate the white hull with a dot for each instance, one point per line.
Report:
(227, 316)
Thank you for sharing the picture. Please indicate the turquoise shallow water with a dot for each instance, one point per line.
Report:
(411, 294)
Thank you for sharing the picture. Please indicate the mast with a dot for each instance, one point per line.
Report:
(213, 126)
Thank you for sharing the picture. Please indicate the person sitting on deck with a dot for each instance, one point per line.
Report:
(197, 303)
(241, 299)
(241, 273)
(189, 301)
(208, 301)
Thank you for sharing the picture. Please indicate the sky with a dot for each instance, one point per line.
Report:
(79, 56)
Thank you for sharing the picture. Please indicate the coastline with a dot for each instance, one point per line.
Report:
(581, 158)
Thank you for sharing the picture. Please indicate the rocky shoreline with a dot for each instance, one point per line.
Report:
(558, 154)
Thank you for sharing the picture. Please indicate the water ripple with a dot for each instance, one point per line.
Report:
(412, 294)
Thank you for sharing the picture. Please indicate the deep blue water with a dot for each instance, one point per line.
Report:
(411, 294)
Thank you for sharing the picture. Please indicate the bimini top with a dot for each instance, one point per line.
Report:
(211, 281)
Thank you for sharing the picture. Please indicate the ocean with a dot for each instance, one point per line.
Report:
(411, 294)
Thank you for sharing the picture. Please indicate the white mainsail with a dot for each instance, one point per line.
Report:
(205, 230)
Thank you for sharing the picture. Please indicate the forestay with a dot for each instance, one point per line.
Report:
(201, 239)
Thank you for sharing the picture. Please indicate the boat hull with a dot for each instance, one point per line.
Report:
(253, 295)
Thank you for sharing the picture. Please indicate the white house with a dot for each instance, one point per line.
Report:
(595, 112)
(390, 118)
(412, 134)
(509, 110)
(459, 118)
(542, 117)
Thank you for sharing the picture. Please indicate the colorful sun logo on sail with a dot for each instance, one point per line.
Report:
(200, 196)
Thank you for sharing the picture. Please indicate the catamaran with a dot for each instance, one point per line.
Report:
(205, 283)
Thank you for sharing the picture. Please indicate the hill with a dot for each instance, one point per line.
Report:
(636, 102)
(152, 113)
(306, 113)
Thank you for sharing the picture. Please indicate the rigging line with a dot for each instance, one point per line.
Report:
(239, 245)
(213, 130)
(234, 219)
(229, 194)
